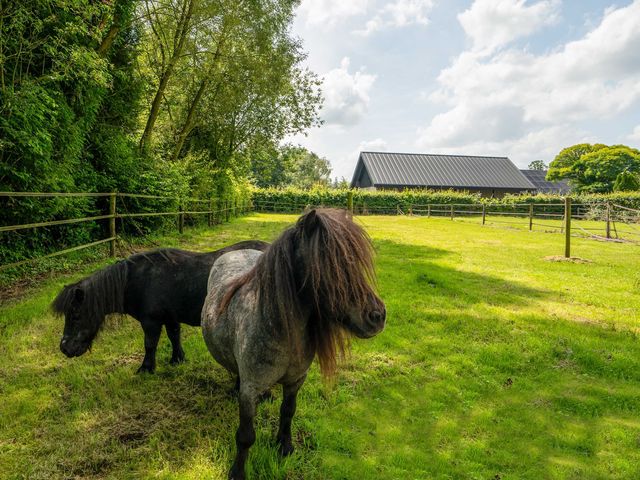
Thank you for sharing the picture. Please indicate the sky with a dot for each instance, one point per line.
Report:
(514, 78)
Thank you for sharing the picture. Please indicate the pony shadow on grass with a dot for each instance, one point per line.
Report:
(410, 272)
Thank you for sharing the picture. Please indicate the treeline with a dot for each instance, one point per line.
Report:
(293, 199)
(162, 97)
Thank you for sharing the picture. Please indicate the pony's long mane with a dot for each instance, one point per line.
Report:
(103, 294)
(337, 257)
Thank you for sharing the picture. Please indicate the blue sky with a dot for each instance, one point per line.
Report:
(518, 78)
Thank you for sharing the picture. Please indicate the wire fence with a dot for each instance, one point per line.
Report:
(216, 210)
(600, 221)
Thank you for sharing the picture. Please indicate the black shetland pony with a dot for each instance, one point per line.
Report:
(162, 287)
(267, 315)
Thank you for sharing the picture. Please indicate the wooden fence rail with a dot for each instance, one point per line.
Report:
(610, 216)
(226, 208)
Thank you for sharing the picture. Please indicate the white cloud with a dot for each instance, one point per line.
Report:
(330, 12)
(377, 145)
(492, 24)
(346, 95)
(635, 135)
(535, 145)
(400, 13)
(512, 99)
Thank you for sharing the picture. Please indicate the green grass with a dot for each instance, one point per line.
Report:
(495, 363)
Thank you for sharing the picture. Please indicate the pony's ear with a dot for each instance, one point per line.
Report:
(310, 221)
(78, 295)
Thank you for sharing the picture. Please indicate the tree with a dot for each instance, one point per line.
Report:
(561, 166)
(596, 172)
(341, 183)
(626, 182)
(289, 165)
(309, 169)
(537, 165)
(593, 168)
(237, 88)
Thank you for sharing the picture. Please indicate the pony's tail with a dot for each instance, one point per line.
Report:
(233, 288)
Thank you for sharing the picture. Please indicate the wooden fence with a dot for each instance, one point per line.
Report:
(602, 221)
(605, 221)
(216, 209)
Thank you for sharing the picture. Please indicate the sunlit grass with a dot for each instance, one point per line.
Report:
(495, 363)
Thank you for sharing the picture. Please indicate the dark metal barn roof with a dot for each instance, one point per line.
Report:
(538, 178)
(441, 171)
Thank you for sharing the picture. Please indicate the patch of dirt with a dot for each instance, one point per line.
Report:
(131, 359)
(560, 258)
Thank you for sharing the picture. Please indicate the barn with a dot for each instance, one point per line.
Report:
(490, 176)
(539, 180)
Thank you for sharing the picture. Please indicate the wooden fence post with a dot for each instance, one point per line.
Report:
(350, 201)
(567, 227)
(181, 218)
(210, 216)
(428, 210)
(484, 213)
(608, 219)
(112, 224)
(451, 208)
(530, 216)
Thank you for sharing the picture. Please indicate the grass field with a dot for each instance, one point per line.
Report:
(495, 364)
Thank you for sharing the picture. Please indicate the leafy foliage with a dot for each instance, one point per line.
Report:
(626, 181)
(538, 165)
(293, 199)
(199, 84)
(562, 165)
(289, 166)
(594, 168)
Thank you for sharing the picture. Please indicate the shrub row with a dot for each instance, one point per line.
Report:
(294, 199)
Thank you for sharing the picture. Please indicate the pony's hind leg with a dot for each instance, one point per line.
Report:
(173, 332)
(152, 332)
(287, 411)
(246, 434)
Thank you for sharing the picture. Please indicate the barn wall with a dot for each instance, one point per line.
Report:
(484, 192)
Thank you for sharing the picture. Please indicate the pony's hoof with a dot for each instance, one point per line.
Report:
(236, 474)
(176, 360)
(145, 369)
(285, 449)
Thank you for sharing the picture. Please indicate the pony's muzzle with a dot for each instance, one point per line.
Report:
(70, 348)
(375, 322)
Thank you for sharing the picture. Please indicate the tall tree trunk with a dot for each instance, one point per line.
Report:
(191, 115)
(189, 122)
(112, 33)
(179, 39)
(107, 41)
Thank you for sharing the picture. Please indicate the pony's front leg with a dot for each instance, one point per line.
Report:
(245, 435)
(287, 411)
(152, 332)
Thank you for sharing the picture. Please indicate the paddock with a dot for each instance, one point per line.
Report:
(496, 362)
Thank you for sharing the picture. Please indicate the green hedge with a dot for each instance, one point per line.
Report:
(364, 201)
(367, 201)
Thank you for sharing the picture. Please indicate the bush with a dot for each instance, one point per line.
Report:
(364, 201)
(388, 202)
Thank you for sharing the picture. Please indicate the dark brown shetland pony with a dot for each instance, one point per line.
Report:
(267, 315)
(164, 287)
